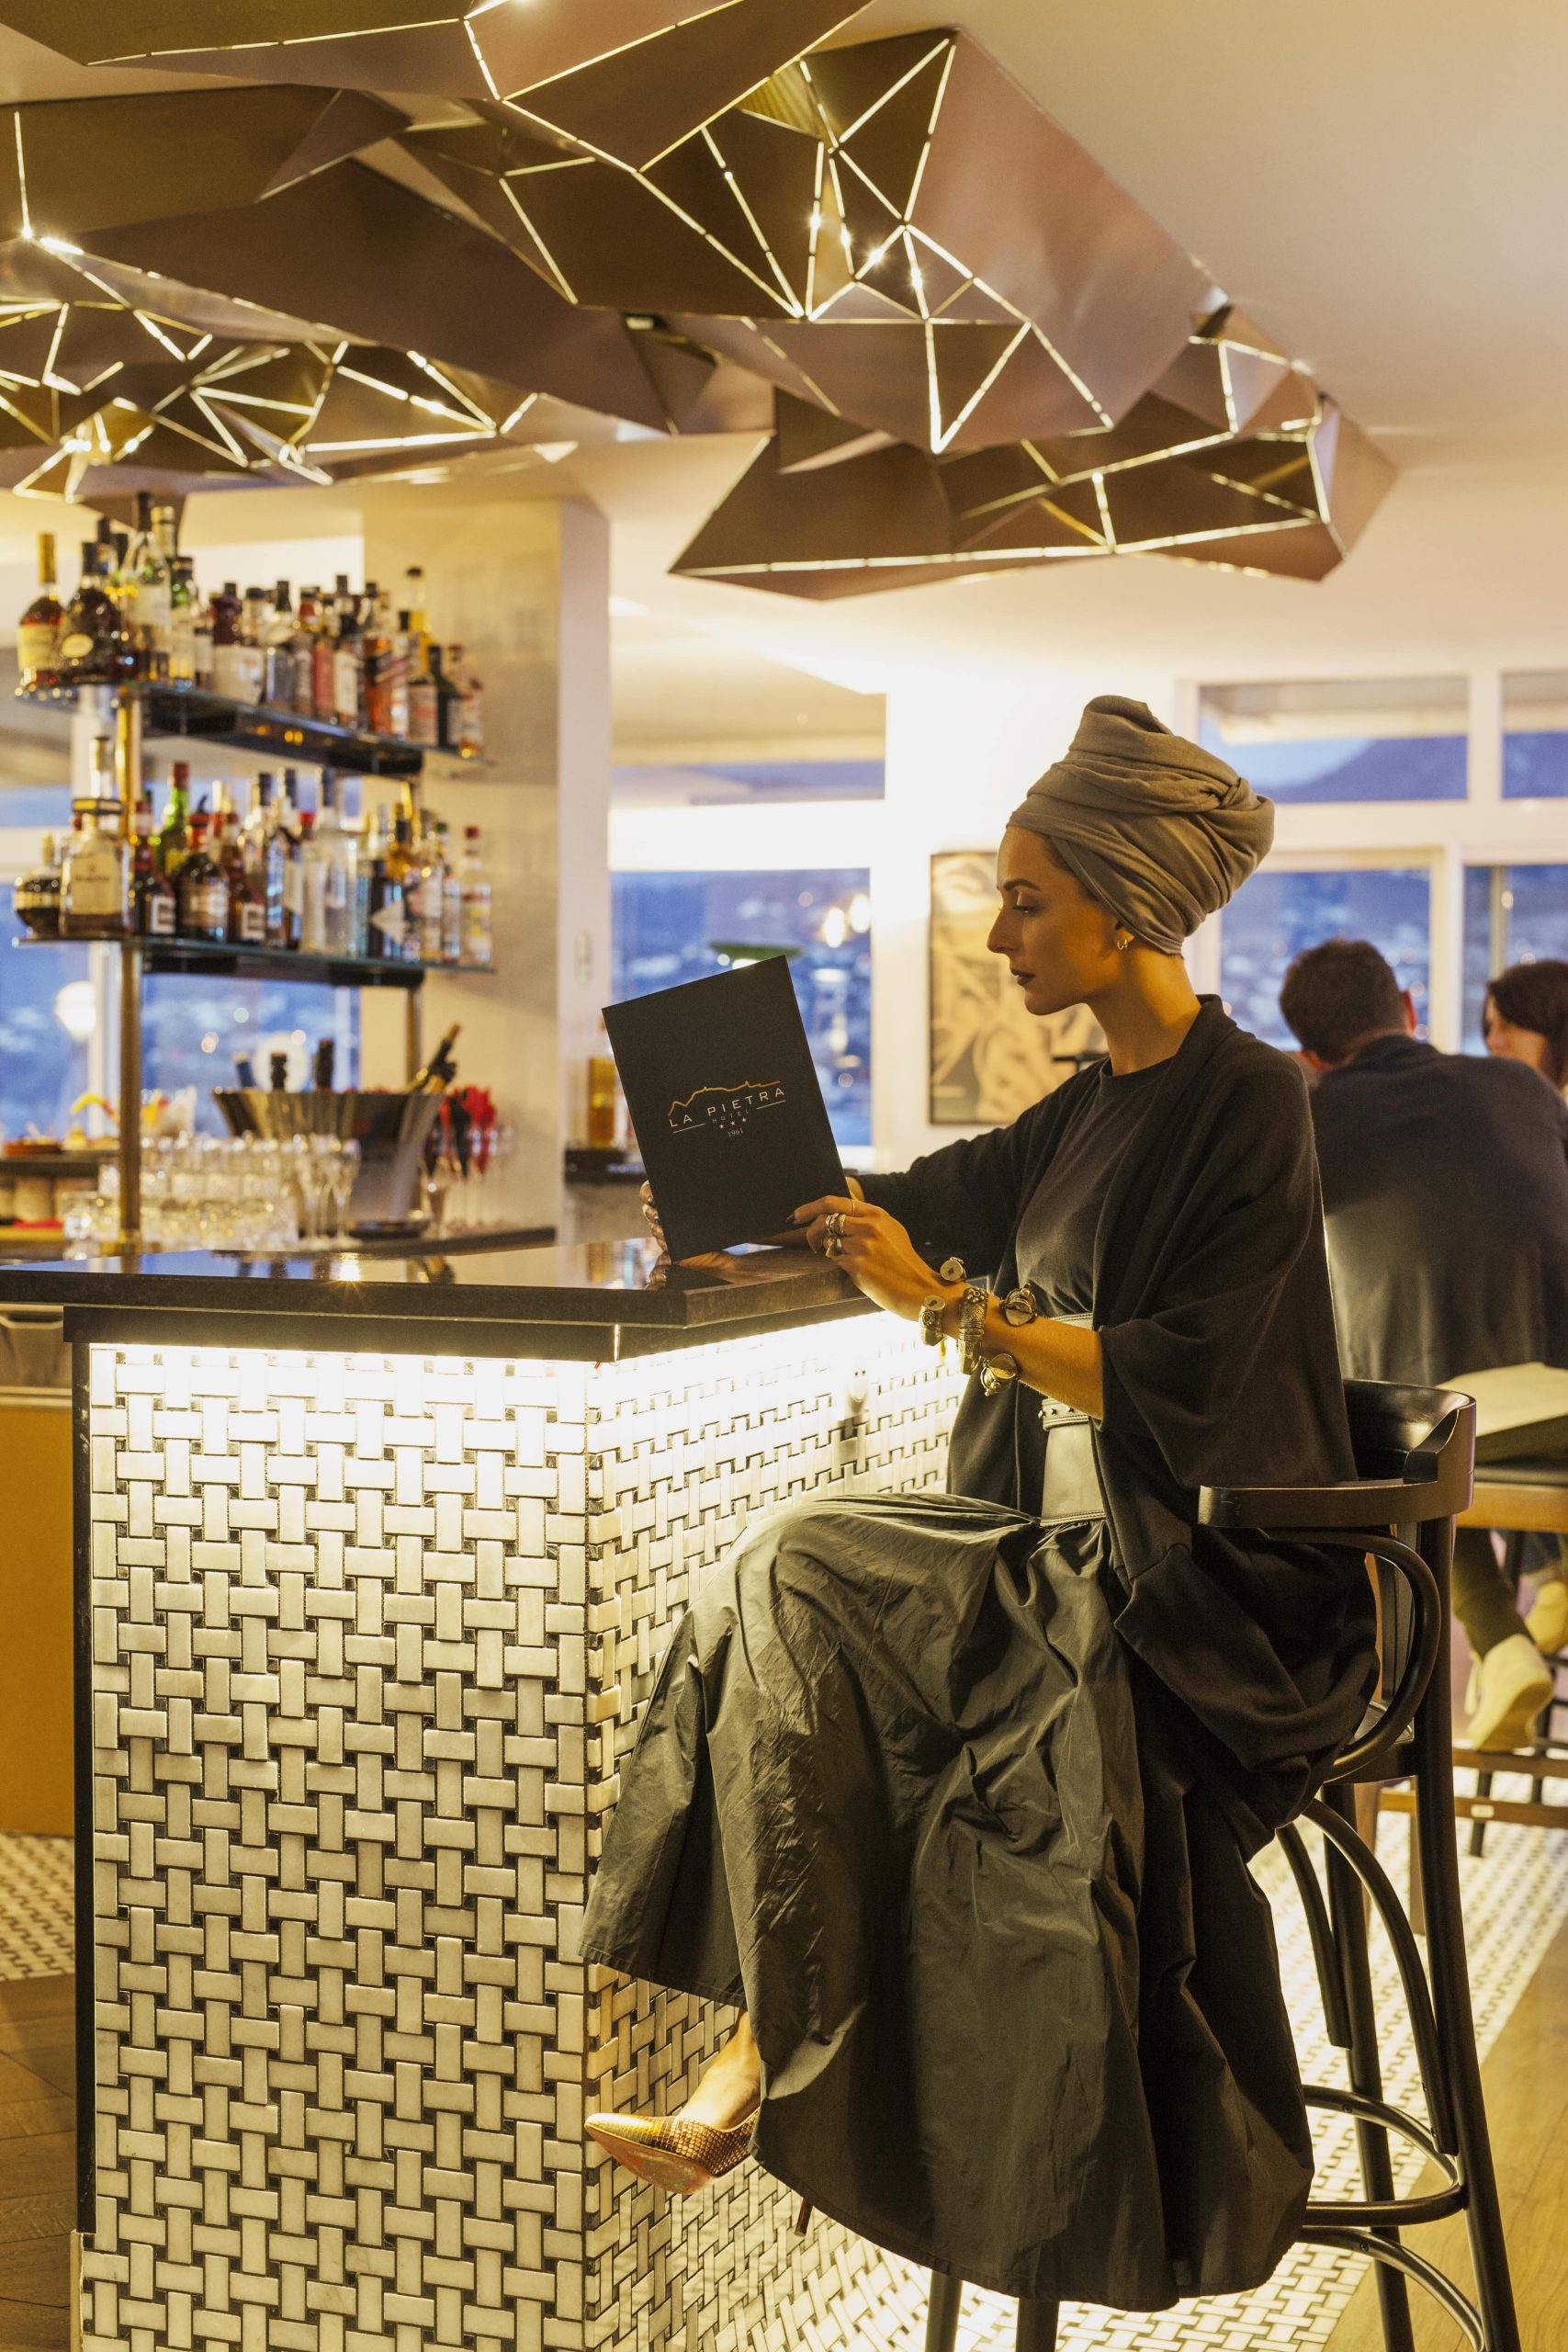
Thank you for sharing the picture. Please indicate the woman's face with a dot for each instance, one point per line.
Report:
(1059, 943)
(1516, 1045)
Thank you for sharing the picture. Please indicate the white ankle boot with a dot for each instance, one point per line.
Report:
(1509, 1689)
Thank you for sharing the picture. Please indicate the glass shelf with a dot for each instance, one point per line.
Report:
(192, 712)
(230, 962)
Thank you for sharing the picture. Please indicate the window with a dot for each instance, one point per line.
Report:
(192, 1026)
(673, 927)
(49, 1010)
(1513, 914)
(1281, 910)
(1534, 736)
(1353, 740)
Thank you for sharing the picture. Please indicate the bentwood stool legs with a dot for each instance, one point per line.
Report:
(1415, 1449)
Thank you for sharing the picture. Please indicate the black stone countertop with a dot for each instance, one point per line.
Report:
(595, 1300)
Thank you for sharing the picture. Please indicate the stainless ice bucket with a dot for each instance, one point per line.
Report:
(390, 1130)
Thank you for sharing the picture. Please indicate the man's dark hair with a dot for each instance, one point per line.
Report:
(1338, 995)
(1534, 995)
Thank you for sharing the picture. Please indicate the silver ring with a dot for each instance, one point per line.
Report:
(835, 1224)
(834, 1245)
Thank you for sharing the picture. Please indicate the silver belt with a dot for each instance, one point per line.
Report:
(1070, 1488)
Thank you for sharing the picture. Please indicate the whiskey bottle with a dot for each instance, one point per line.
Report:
(379, 666)
(228, 669)
(203, 892)
(277, 683)
(154, 910)
(182, 622)
(95, 882)
(34, 900)
(172, 846)
(95, 647)
(468, 736)
(151, 595)
(247, 907)
(40, 630)
(348, 665)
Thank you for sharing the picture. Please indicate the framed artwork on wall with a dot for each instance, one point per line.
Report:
(989, 1058)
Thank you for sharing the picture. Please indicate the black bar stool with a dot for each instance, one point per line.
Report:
(1414, 1451)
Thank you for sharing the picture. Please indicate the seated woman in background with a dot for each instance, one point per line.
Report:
(953, 1797)
(1526, 1017)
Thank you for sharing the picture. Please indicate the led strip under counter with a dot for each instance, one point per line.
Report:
(369, 1639)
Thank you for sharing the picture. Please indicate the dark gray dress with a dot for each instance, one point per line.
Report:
(908, 1790)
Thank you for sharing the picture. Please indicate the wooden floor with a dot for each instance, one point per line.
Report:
(1526, 2078)
(37, 2161)
(1527, 2098)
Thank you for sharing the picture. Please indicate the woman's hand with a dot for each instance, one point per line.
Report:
(876, 1253)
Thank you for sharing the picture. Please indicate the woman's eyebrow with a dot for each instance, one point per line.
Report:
(1018, 882)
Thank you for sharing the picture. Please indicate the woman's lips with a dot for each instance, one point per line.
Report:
(1022, 979)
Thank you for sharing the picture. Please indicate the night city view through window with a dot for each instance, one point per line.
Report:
(673, 927)
(1279, 912)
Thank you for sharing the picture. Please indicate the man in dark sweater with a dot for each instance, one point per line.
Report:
(1444, 1194)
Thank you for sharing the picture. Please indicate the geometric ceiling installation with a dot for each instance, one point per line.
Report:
(417, 230)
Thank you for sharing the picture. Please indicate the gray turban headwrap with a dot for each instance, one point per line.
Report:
(1156, 829)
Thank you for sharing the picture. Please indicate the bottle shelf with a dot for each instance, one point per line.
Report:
(193, 712)
(226, 961)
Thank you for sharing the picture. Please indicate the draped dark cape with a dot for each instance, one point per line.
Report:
(958, 1803)
(1220, 1367)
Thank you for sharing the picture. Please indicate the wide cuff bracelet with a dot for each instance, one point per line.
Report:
(972, 1327)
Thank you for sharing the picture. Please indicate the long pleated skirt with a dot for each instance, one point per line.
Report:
(902, 1792)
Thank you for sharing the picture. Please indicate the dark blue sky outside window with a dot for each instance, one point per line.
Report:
(1279, 912)
(665, 926)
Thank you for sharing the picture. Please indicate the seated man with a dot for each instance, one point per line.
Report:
(1445, 1192)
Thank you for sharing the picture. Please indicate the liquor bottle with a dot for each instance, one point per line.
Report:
(94, 648)
(451, 906)
(423, 718)
(166, 531)
(402, 870)
(339, 853)
(228, 669)
(172, 845)
(348, 665)
(34, 900)
(255, 618)
(307, 628)
(42, 626)
(419, 626)
(478, 934)
(323, 656)
(201, 636)
(201, 889)
(440, 1069)
(152, 593)
(278, 1072)
(313, 868)
(386, 910)
(123, 580)
(432, 895)
(377, 658)
(468, 736)
(277, 682)
(398, 685)
(182, 622)
(246, 924)
(447, 697)
(322, 1065)
(95, 881)
(264, 848)
(154, 910)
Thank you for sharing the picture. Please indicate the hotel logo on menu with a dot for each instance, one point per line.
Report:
(728, 1108)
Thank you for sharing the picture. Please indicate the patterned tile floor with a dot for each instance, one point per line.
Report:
(1516, 1899)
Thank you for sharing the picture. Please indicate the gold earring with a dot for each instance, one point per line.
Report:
(1123, 945)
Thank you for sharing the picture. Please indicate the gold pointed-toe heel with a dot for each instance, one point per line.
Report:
(673, 2152)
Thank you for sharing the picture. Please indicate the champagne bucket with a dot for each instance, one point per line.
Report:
(390, 1130)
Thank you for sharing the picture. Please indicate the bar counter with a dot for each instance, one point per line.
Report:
(374, 1564)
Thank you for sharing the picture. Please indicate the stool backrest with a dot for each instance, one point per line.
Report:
(1414, 1451)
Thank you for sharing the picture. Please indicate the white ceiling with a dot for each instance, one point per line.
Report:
(1384, 185)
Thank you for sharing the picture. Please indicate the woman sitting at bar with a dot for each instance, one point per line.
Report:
(953, 1797)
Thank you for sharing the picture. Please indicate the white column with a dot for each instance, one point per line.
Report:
(525, 589)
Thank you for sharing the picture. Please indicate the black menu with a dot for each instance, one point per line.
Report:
(725, 1104)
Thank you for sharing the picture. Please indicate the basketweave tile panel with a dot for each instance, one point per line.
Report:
(369, 1637)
